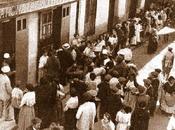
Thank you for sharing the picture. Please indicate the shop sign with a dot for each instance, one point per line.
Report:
(30, 7)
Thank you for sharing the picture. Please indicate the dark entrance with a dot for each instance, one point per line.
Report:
(111, 14)
(91, 7)
(133, 8)
(57, 18)
(8, 36)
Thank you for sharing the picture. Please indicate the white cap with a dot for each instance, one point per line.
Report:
(5, 69)
(105, 52)
(6, 55)
(66, 46)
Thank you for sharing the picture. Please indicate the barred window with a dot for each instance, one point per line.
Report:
(46, 25)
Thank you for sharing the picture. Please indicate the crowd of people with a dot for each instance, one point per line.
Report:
(102, 82)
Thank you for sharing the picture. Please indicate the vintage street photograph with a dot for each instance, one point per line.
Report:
(87, 64)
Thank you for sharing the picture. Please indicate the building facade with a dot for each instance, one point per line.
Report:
(27, 27)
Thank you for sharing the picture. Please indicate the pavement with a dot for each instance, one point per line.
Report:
(145, 63)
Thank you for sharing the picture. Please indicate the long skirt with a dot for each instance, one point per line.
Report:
(70, 119)
(167, 103)
(26, 115)
(152, 47)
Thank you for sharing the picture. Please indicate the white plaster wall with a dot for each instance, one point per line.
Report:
(81, 19)
(102, 16)
(142, 5)
(121, 8)
(72, 28)
(32, 46)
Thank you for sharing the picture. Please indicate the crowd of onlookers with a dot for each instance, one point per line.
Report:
(101, 78)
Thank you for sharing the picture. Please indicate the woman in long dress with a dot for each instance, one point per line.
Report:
(46, 101)
(123, 118)
(130, 94)
(153, 42)
(27, 112)
(140, 117)
(86, 113)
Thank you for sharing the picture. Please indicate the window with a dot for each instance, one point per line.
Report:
(46, 25)
(24, 23)
(18, 25)
(21, 24)
(66, 12)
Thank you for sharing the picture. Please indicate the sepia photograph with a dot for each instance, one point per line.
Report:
(87, 64)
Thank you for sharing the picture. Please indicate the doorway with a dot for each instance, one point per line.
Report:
(111, 15)
(8, 36)
(90, 18)
(57, 18)
(133, 8)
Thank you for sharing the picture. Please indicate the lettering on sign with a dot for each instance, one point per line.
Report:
(30, 7)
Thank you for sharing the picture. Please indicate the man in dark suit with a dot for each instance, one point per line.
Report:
(36, 123)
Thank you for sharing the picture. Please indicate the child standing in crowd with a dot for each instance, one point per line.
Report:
(17, 95)
(123, 118)
(27, 112)
(36, 123)
(106, 123)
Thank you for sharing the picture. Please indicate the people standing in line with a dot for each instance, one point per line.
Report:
(27, 112)
(86, 113)
(167, 62)
(5, 93)
(17, 95)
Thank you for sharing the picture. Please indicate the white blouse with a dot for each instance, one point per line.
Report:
(72, 103)
(171, 123)
(28, 99)
(17, 93)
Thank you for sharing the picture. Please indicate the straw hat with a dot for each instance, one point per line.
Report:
(6, 55)
(66, 46)
(5, 69)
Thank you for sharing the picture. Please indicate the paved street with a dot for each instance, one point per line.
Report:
(159, 121)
